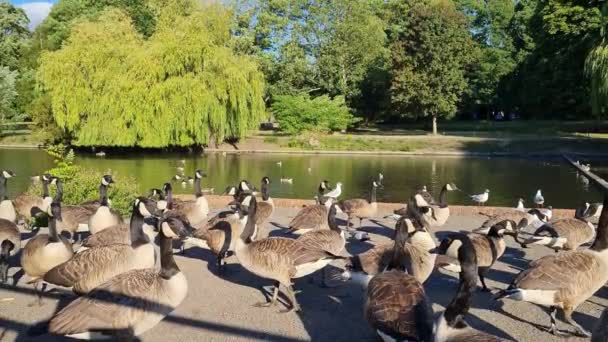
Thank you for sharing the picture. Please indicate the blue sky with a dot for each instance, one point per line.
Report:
(35, 10)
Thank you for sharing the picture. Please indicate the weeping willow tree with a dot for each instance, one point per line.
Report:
(596, 68)
(183, 86)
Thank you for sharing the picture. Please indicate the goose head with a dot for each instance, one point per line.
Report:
(199, 174)
(175, 228)
(106, 180)
(266, 180)
(6, 174)
(167, 187)
(146, 207)
(324, 185)
(46, 178)
(154, 192)
(453, 187)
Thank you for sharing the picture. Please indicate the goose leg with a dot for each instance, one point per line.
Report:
(273, 301)
(482, 272)
(553, 329)
(220, 263)
(292, 298)
(568, 315)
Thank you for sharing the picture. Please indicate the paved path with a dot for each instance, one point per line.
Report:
(221, 309)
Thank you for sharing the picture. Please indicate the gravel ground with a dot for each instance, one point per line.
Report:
(222, 308)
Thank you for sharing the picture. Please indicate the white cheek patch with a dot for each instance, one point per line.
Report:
(244, 186)
(167, 231)
(6, 174)
(162, 205)
(449, 187)
(104, 182)
(143, 210)
(247, 200)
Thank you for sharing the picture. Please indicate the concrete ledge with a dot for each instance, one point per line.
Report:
(216, 202)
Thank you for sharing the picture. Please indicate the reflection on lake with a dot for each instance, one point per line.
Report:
(507, 178)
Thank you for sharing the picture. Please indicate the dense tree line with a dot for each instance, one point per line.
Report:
(178, 72)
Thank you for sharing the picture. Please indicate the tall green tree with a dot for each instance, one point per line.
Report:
(13, 34)
(490, 25)
(596, 67)
(555, 37)
(431, 51)
(182, 86)
(7, 92)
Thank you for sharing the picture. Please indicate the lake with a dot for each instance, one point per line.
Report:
(507, 178)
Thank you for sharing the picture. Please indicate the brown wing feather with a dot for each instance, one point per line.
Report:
(111, 235)
(24, 204)
(547, 273)
(376, 259)
(397, 306)
(119, 303)
(351, 205)
(327, 240)
(92, 265)
(311, 217)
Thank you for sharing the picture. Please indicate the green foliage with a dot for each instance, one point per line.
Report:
(301, 113)
(13, 34)
(431, 51)
(7, 92)
(80, 184)
(596, 68)
(183, 86)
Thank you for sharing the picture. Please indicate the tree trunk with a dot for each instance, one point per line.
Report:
(434, 124)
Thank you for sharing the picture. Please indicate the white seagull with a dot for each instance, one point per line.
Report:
(481, 198)
(336, 192)
(539, 200)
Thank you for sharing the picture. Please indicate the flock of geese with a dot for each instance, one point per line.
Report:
(122, 293)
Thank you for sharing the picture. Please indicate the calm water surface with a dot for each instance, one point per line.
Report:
(507, 178)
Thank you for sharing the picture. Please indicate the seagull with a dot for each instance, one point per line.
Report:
(360, 236)
(539, 200)
(336, 192)
(279, 164)
(100, 154)
(520, 205)
(287, 180)
(586, 167)
(481, 198)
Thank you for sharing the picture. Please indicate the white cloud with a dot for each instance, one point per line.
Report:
(36, 11)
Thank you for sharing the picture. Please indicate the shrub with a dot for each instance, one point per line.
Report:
(301, 113)
(80, 184)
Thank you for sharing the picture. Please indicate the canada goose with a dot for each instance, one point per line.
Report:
(335, 192)
(280, 259)
(220, 238)
(310, 218)
(522, 220)
(132, 302)
(143, 208)
(230, 190)
(93, 205)
(416, 255)
(567, 234)
(397, 307)
(488, 249)
(28, 206)
(361, 208)
(195, 211)
(265, 206)
(539, 200)
(45, 251)
(323, 186)
(481, 198)
(104, 217)
(436, 215)
(96, 265)
(71, 215)
(7, 209)
(244, 187)
(331, 240)
(451, 326)
(520, 205)
(566, 279)
(10, 243)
